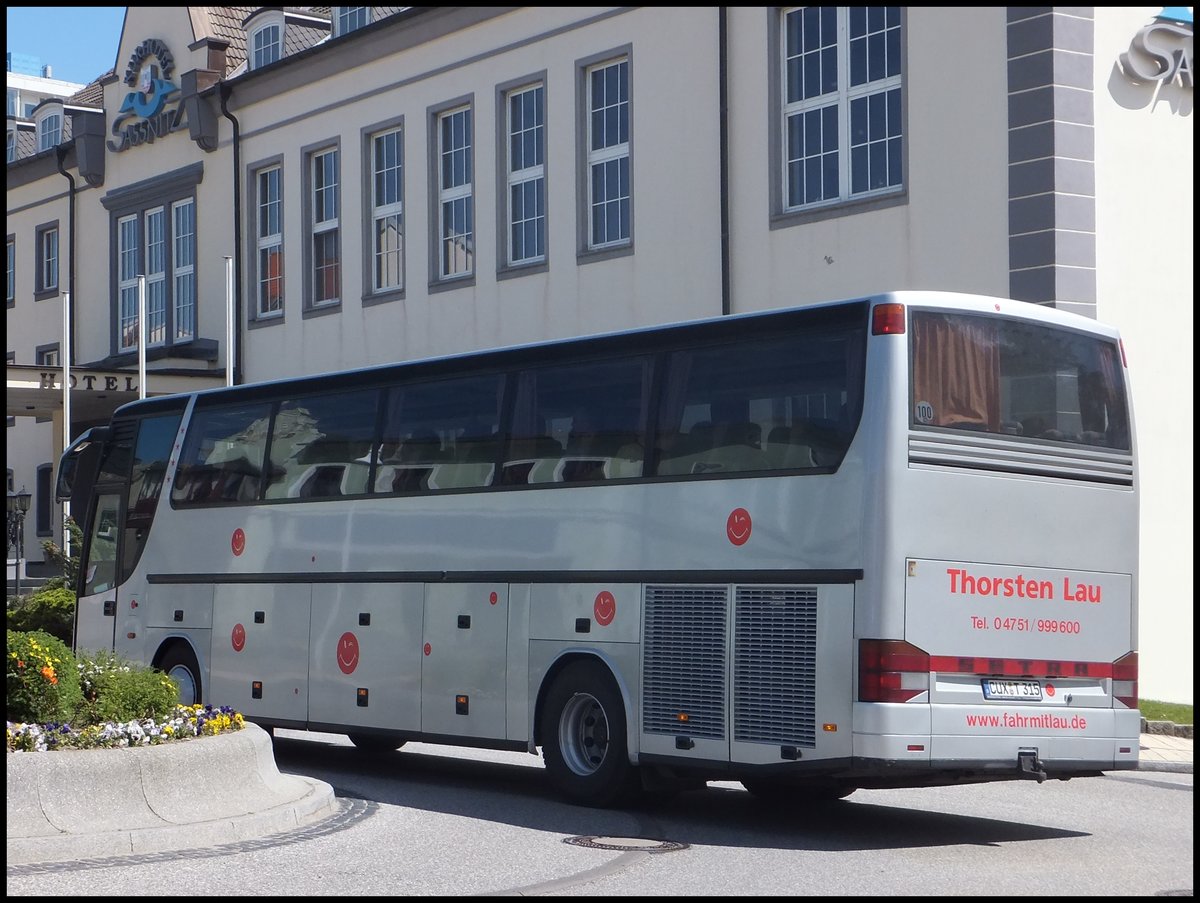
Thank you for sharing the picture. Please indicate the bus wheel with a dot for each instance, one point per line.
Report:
(789, 792)
(180, 664)
(372, 743)
(584, 730)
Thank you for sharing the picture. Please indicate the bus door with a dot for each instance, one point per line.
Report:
(96, 609)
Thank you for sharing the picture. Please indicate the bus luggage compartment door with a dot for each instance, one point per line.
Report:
(260, 649)
(465, 660)
(366, 655)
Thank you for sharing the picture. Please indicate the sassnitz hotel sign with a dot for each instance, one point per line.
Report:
(152, 109)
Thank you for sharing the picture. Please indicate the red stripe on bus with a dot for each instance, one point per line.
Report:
(1018, 667)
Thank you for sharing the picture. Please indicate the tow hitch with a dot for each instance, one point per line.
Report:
(1029, 766)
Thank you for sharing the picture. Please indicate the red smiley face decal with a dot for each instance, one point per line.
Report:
(604, 608)
(239, 638)
(238, 542)
(347, 653)
(738, 526)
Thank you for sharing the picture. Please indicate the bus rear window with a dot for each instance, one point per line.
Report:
(1014, 378)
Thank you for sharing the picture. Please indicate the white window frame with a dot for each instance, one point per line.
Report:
(48, 357)
(183, 268)
(613, 150)
(345, 19)
(526, 175)
(388, 212)
(11, 297)
(47, 251)
(154, 226)
(128, 270)
(266, 48)
(269, 243)
(11, 145)
(325, 211)
(853, 149)
(49, 130)
(456, 250)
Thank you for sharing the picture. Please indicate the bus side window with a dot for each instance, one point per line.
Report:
(222, 456)
(155, 437)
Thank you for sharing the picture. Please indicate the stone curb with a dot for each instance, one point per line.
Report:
(1167, 728)
(80, 804)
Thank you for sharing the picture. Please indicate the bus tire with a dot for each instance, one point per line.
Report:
(585, 738)
(373, 743)
(179, 662)
(790, 792)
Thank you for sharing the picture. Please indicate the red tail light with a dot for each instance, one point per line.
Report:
(891, 671)
(887, 319)
(1125, 680)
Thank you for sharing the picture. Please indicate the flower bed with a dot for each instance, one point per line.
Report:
(183, 724)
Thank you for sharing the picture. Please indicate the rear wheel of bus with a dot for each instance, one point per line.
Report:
(179, 663)
(585, 738)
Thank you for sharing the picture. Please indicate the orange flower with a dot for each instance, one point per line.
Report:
(49, 674)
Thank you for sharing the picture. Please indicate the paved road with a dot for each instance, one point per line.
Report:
(440, 821)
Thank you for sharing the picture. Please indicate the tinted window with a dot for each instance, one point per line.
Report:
(223, 456)
(766, 404)
(579, 423)
(1011, 378)
(151, 453)
(321, 445)
(442, 434)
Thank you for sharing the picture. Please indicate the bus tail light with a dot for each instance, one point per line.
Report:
(887, 319)
(891, 671)
(1125, 680)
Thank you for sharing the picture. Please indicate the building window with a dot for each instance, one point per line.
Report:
(608, 154)
(183, 268)
(156, 276)
(45, 499)
(269, 238)
(11, 146)
(387, 210)
(265, 46)
(128, 270)
(324, 227)
(47, 259)
(49, 130)
(348, 18)
(526, 132)
(11, 297)
(154, 229)
(456, 200)
(841, 91)
(47, 356)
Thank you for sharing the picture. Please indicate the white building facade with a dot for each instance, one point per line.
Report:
(394, 183)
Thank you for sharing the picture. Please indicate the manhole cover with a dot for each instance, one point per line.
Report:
(627, 844)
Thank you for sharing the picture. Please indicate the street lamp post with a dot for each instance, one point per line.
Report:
(18, 506)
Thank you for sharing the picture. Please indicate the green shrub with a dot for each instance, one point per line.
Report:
(43, 681)
(51, 609)
(115, 689)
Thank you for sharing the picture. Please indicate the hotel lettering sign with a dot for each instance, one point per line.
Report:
(90, 381)
(152, 109)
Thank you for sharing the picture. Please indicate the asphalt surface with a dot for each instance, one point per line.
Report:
(71, 805)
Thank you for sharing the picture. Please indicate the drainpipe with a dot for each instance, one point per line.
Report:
(723, 91)
(61, 153)
(224, 90)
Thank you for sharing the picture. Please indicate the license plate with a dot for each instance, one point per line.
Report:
(1012, 689)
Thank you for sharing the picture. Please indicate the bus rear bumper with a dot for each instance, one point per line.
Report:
(979, 743)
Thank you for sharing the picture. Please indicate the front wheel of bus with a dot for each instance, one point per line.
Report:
(180, 664)
(585, 739)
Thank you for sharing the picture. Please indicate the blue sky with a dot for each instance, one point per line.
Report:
(78, 43)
